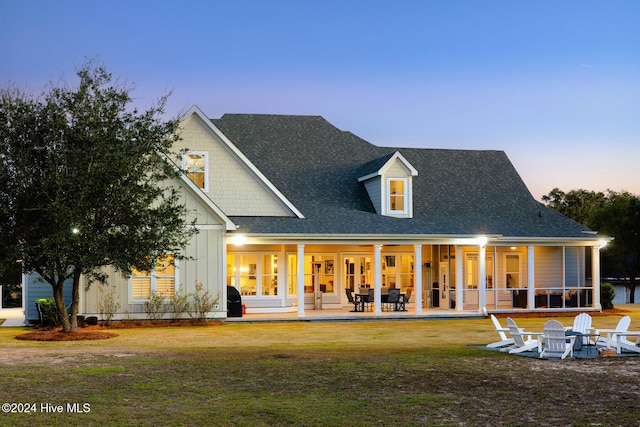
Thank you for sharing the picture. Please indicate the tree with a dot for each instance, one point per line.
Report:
(84, 186)
(620, 217)
(579, 205)
(612, 213)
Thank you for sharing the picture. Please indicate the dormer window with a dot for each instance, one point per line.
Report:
(397, 195)
(195, 164)
(389, 182)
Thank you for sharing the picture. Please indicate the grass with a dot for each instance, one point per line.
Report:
(313, 374)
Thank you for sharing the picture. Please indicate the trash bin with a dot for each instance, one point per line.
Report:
(234, 302)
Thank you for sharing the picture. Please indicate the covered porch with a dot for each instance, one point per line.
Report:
(464, 276)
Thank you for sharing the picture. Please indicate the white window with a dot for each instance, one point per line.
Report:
(196, 166)
(162, 280)
(397, 195)
(512, 270)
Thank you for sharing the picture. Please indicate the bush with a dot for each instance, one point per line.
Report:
(180, 303)
(48, 312)
(202, 303)
(108, 305)
(155, 307)
(607, 294)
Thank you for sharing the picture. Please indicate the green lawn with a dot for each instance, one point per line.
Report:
(312, 374)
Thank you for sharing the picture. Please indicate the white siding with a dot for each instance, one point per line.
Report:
(206, 250)
(232, 185)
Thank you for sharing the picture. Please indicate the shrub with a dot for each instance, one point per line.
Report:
(203, 303)
(48, 311)
(108, 305)
(607, 294)
(155, 307)
(180, 303)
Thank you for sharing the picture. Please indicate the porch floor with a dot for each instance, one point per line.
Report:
(344, 314)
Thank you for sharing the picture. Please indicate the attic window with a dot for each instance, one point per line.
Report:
(195, 164)
(397, 195)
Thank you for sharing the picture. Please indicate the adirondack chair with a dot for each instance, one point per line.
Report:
(556, 343)
(521, 344)
(625, 344)
(504, 340)
(582, 325)
(608, 337)
(611, 339)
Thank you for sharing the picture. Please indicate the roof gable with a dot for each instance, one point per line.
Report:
(255, 194)
(379, 167)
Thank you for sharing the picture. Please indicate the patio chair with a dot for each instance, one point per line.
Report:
(608, 337)
(581, 325)
(393, 299)
(556, 343)
(369, 299)
(352, 300)
(521, 344)
(504, 340)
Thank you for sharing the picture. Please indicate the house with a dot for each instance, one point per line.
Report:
(293, 212)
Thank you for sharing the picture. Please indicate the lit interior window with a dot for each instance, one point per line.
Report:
(195, 167)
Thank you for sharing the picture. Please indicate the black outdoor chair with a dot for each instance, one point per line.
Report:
(352, 300)
(393, 299)
(370, 299)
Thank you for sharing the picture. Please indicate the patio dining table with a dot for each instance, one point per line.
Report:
(361, 299)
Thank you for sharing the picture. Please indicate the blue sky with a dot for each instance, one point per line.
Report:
(554, 84)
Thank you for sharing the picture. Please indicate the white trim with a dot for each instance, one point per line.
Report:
(396, 156)
(206, 166)
(405, 195)
(504, 269)
(229, 225)
(198, 112)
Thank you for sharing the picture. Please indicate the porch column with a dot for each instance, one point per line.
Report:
(595, 276)
(377, 277)
(300, 280)
(482, 278)
(417, 262)
(531, 278)
(459, 286)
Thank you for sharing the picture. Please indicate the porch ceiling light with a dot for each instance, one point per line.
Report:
(482, 241)
(602, 243)
(239, 239)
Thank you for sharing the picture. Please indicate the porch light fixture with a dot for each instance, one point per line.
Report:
(239, 239)
(602, 243)
(482, 241)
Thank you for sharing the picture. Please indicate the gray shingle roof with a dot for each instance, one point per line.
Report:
(317, 166)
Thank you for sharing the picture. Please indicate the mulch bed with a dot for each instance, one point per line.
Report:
(58, 335)
(101, 332)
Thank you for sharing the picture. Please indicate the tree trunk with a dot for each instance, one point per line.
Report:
(75, 300)
(58, 295)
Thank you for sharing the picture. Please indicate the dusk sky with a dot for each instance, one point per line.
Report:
(554, 84)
